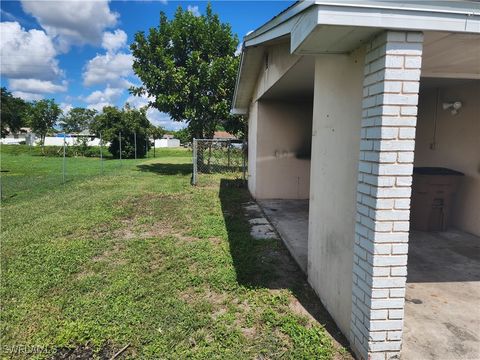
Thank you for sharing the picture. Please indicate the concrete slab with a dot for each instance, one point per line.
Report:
(261, 228)
(290, 219)
(442, 309)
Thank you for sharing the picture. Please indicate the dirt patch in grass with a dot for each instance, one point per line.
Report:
(86, 352)
(111, 254)
(146, 217)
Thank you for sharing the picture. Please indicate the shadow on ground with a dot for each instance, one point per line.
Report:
(167, 169)
(267, 263)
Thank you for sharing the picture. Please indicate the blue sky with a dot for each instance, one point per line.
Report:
(77, 51)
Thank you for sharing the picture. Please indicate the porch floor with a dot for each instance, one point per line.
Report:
(442, 308)
(290, 219)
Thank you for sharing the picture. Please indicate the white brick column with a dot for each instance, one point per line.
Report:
(390, 96)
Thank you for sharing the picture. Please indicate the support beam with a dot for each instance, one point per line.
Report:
(335, 142)
(390, 97)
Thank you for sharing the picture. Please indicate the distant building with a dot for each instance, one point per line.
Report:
(224, 135)
(167, 142)
(24, 135)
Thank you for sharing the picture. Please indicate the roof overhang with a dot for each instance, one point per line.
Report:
(316, 27)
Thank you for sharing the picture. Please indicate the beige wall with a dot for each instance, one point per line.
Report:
(457, 146)
(335, 150)
(252, 147)
(283, 132)
(279, 62)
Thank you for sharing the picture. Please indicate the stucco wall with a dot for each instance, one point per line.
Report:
(335, 145)
(277, 62)
(283, 139)
(457, 146)
(252, 147)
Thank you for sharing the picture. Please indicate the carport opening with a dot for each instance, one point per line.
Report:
(284, 156)
(287, 167)
(443, 282)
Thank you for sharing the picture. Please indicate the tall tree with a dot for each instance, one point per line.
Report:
(12, 112)
(123, 125)
(188, 65)
(78, 119)
(156, 132)
(42, 115)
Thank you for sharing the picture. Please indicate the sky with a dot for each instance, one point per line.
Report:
(77, 51)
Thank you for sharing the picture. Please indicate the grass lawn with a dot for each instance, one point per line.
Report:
(138, 257)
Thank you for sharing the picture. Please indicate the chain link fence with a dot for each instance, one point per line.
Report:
(212, 156)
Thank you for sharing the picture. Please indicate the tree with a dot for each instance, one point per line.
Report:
(42, 115)
(183, 136)
(156, 132)
(78, 119)
(121, 125)
(188, 65)
(12, 112)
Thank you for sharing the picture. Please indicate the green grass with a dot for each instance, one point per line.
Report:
(139, 257)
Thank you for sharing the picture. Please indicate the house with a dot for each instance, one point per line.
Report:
(344, 99)
(24, 136)
(224, 135)
(167, 140)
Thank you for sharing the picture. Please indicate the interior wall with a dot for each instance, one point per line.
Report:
(283, 143)
(334, 170)
(457, 146)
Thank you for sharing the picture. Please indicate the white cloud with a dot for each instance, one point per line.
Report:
(27, 96)
(27, 54)
(99, 106)
(111, 69)
(238, 51)
(163, 119)
(37, 86)
(194, 10)
(113, 41)
(72, 22)
(138, 101)
(154, 116)
(108, 97)
(66, 107)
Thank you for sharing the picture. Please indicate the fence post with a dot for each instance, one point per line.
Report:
(135, 142)
(101, 153)
(64, 144)
(228, 153)
(120, 145)
(194, 175)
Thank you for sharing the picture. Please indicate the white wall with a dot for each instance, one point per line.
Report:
(337, 114)
(58, 141)
(252, 148)
(458, 146)
(283, 133)
(163, 143)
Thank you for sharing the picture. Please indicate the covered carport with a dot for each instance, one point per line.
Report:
(376, 66)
